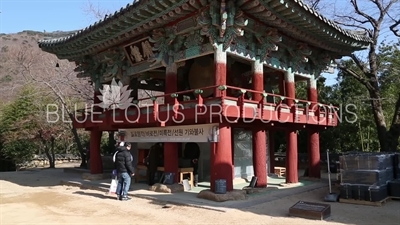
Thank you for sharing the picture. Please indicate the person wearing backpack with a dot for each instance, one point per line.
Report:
(123, 161)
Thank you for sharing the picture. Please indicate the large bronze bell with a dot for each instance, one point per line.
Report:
(202, 74)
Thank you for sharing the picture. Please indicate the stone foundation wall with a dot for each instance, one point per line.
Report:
(108, 164)
(280, 159)
(42, 160)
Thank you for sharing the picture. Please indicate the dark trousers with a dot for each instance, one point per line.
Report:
(195, 172)
(151, 177)
(195, 168)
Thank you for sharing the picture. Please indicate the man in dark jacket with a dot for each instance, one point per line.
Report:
(123, 164)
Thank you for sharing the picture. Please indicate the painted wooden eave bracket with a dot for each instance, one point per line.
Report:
(128, 22)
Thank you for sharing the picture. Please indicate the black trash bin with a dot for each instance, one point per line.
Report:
(220, 186)
(334, 167)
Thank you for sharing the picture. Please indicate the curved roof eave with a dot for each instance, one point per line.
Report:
(51, 44)
(349, 33)
(91, 28)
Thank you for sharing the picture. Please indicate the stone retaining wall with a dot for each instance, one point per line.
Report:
(43, 161)
(280, 159)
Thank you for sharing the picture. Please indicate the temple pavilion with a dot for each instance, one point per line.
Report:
(227, 71)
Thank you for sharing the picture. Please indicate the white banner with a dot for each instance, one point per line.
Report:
(189, 133)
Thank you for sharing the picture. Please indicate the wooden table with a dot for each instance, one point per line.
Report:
(182, 171)
(280, 171)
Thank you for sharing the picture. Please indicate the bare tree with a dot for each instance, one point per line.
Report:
(46, 134)
(314, 4)
(8, 72)
(395, 22)
(41, 68)
(95, 11)
(373, 17)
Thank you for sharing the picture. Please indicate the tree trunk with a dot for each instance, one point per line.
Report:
(78, 143)
(49, 157)
(368, 139)
(361, 136)
(53, 155)
(394, 131)
(111, 141)
(80, 148)
(376, 104)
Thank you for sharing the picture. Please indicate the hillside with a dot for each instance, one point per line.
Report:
(27, 38)
(19, 53)
(22, 62)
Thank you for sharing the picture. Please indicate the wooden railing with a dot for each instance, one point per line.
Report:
(299, 107)
(305, 107)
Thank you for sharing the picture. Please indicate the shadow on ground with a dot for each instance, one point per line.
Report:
(343, 213)
(272, 203)
(96, 195)
(43, 177)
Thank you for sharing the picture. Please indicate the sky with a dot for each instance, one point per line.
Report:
(50, 15)
(63, 15)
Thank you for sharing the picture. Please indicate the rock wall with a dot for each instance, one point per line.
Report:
(43, 161)
(280, 159)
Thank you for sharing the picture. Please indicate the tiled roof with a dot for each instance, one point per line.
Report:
(350, 33)
(108, 19)
(96, 25)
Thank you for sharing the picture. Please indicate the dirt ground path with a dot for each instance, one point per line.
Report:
(46, 203)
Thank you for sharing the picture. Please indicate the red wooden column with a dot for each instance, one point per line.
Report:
(171, 162)
(220, 70)
(221, 158)
(259, 136)
(271, 142)
(314, 165)
(96, 164)
(291, 136)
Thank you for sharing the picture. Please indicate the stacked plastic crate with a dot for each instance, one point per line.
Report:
(364, 176)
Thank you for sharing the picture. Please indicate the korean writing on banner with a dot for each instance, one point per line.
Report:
(171, 132)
